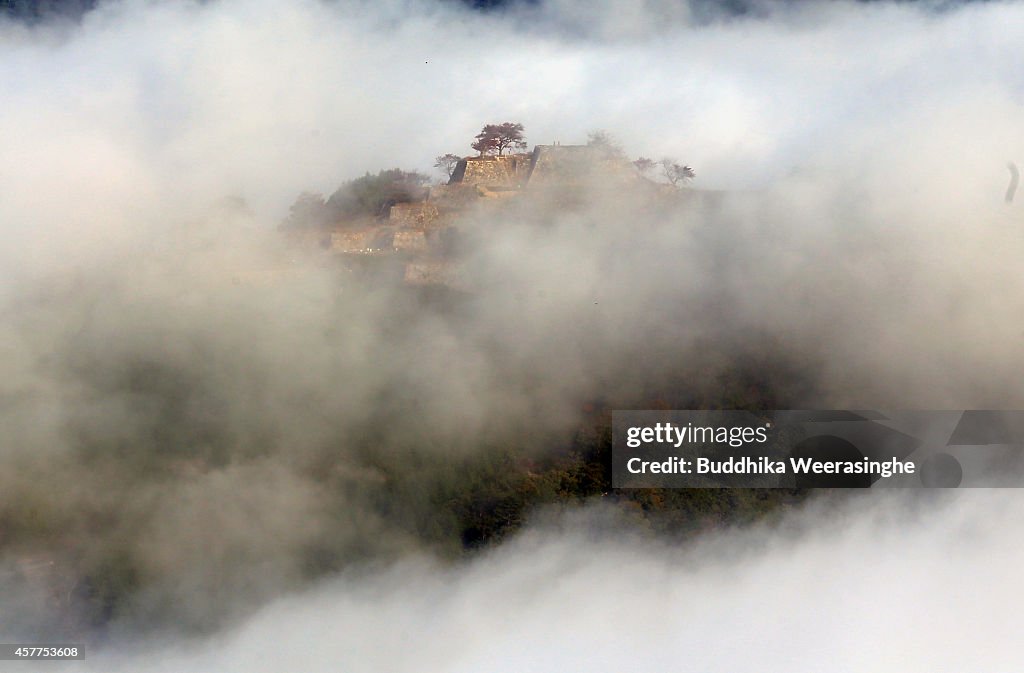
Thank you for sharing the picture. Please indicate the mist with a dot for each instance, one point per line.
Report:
(206, 417)
(925, 586)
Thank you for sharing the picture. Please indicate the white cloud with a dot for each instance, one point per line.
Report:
(863, 257)
(890, 583)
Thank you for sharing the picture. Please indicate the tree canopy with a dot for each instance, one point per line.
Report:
(374, 194)
(496, 138)
(605, 142)
(644, 165)
(368, 195)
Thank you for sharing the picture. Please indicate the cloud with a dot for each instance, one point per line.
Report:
(181, 385)
(917, 584)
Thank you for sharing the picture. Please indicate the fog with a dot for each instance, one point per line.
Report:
(886, 585)
(210, 418)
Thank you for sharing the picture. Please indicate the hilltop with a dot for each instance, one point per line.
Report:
(414, 231)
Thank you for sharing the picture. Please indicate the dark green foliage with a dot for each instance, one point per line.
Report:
(370, 195)
(374, 194)
(393, 481)
(409, 489)
(309, 210)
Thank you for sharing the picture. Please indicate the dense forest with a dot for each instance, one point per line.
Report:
(384, 493)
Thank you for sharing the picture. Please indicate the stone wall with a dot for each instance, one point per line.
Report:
(377, 240)
(409, 240)
(421, 215)
(505, 172)
(453, 198)
(351, 240)
(573, 164)
(434, 273)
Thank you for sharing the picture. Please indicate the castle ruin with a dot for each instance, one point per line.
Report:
(413, 235)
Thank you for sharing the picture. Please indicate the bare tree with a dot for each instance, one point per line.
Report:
(496, 138)
(446, 163)
(676, 173)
